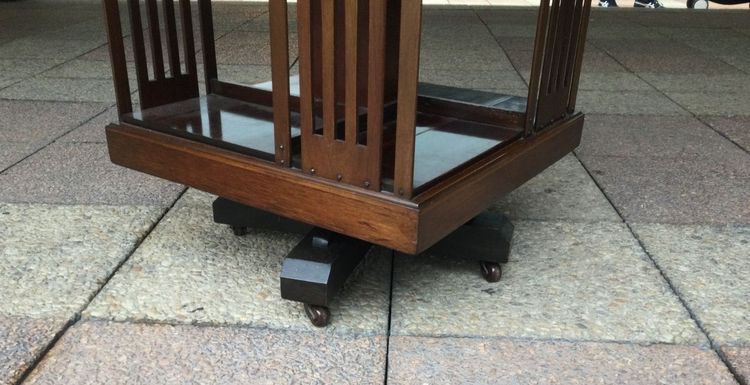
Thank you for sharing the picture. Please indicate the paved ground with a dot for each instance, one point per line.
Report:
(630, 264)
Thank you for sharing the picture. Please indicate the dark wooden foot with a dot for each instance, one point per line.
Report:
(487, 238)
(240, 218)
(318, 267)
(318, 315)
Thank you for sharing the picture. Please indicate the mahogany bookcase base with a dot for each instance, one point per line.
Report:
(321, 263)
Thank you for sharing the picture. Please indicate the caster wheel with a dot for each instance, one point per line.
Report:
(318, 315)
(491, 271)
(239, 230)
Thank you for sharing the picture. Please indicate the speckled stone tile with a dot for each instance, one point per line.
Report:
(739, 358)
(192, 270)
(627, 102)
(86, 69)
(247, 74)
(693, 83)
(21, 68)
(12, 152)
(562, 192)
(674, 190)
(81, 173)
(736, 128)
(21, 342)
(92, 131)
(46, 48)
(713, 103)
(195, 198)
(612, 81)
(580, 281)
(104, 352)
(674, 63)
(708, 267)
(62, 89)
(485, 60)
(488, 361)
(27, 121)
(54, 258)
(656, 136)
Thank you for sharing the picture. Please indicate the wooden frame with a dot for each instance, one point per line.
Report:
(344, 153)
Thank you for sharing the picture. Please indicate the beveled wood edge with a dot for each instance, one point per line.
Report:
(452, 202)
(375, 217)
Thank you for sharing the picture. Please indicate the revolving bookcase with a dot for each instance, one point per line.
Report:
(353, 151)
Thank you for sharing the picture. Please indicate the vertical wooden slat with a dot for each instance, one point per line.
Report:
(280, 80)
(550, 47)
(152, 11)
(173, 50)
(562, 41)
(207, 41)
(536, 66)
(350, 45)
(186, 17)
(408, 74)
(117, 56)
(583, 29)
(329, 68)
(563, 80)
(139, 50)
(375, 90)
(305, 68)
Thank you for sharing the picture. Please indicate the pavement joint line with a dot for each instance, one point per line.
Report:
(691, 113)
(502, 49)
(77, 316)
(390, 318)
(714, 346)
(55, 139)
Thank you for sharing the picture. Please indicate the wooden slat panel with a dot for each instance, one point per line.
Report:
(173, 50)
(375, 90)
(563, 80)
(536, 66)
(187, 35)
(157, 58)
(117, 57)
(139, 47)
(562, 42)
(304, 33)
(207, 41)
(351, 102)
(579, 56)
(280, 81)
(408, 75)
(329, 68)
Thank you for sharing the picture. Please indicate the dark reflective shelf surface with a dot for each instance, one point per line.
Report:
(442, 144)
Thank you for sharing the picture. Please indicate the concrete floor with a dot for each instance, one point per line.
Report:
(630, 261)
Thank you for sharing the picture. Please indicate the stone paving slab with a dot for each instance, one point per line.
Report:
(490, 361)
(688, 190)
(54, 258)
(739, 358)
(474, 79)
(61, 89)
(46, 48)
(562, 192)
(81, 173)
(736, 128)
(104, 352)
(713, 103)
(692, 82)
(27, 121)
(695, 63)
(12, 152)
(192, 270)
(21, 68)
(579, 281)
(22, 340)
(627, 103)
(655, 136)
(92, 131)
(708, 267)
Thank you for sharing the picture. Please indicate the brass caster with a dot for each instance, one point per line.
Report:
(491, 271)
(318, 315)
(239, 230)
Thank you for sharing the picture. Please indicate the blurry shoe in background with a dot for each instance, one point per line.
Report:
(647, 4)
(608, 3)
